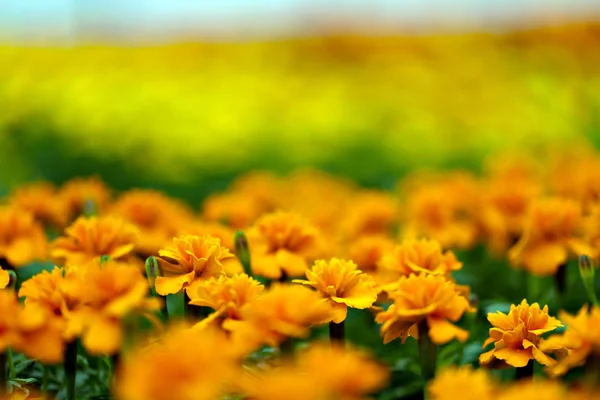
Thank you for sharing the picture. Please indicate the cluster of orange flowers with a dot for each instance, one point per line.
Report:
(314, 246)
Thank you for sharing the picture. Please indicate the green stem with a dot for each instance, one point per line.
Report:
(337, 333)
(45, 379)
(70, 364)
(533, 288)
(287, 347)
(427, 354)
(11, 364)
(560, 278)
(2, 375)
(526, 372)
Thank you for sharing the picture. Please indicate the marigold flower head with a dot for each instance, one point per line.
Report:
(234, 209)
(424, 297)
(416, 256)
(190, 260)
(553, 230)
(41, 199)
(4, 278)
(444, 209)
(31, 329)
(369, 213)
(282, 242)
(517, 336)
(321, 372)
(367, 250)
(226, 295)
(505, 203)
(281, 312)
(79, 191)
(22, 238)
(90, 238)
(581, 339)
(184, 364)
(342, 284)
(537, 389)
(156, 215)
(108, 293)
(464, 383)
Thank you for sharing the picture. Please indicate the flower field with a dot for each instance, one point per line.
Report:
(163, 239)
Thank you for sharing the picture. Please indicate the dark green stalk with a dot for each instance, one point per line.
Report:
(242, 251)
(337, 333)
(427, 354)
(526, 372)
(2, 375)
(560, 278)
(287, 347)
(45, 379)
(11, 364)
(70, 368)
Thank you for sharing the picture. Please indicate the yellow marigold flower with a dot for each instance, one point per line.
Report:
(538, 389)
(464, 383)
(108, 293)
(22, 238)
(443, 208)
(4, 278)
(184, 364)
(424, 297)
(77, 192)
(190, 260)
(225, 233)
(342, 284)
(282, 242)
(517, 336)
(32, 330)
(42, 200)
(157, 216)
(367, 250)
(416, 256)
(321, 372)
(505, 202)
(226, 295)
(553, 230)
(368, 213)
(88, 239)
(581, 339)
(235, 209)
(281, 312)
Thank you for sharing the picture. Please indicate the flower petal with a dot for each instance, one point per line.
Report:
(173, 284)
(441, 331)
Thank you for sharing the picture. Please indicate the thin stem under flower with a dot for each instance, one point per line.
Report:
(525, 372)
(70, 364)
(2, 374)
(427, 353)
(337, 333)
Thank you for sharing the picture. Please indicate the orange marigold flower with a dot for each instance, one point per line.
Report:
(517, 336)
(108, 293)
(282, 242)
(538, 389)
(424, 297)
(367, 250)
(464, 383)
(22, 238)
(416, 256)
(226, 295)
(505, 202)
(553, 230)
(4, 278)
(184, 364)
(234, 209)
(342, 284)
(79, 191)
(283, 311)
(321, 372)
(41, 199)
(368, 213)
(157, 216)
(88, 239)
(443, 208)
(190, 260)
(581, 339)
(32, 330)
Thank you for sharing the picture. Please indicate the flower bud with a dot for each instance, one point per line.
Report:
(242, 251)
(587, 273)
(152, 271)
(12, 282)
(89, 208)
